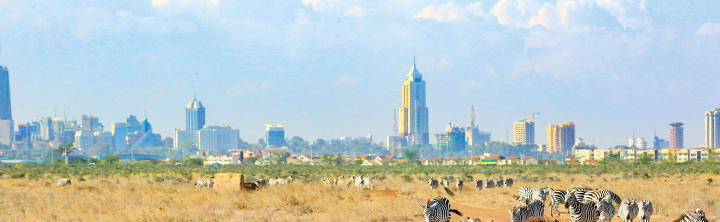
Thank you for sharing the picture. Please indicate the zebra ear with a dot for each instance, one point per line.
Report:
(422, 206)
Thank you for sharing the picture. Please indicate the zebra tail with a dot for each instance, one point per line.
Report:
(456, 212)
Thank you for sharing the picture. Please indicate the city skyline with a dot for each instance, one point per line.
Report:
(298, 63)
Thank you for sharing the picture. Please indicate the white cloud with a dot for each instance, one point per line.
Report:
(515, 12)
(709, 28)
(193, 7)
(321, 5)
(476, 8)
(447, 12)
(356, 11)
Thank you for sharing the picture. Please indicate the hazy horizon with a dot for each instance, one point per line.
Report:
(331, 68)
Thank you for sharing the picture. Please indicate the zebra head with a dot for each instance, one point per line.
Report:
(697, 216)
(427, 210)
(570, 196)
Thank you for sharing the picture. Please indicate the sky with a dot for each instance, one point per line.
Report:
(331, 68)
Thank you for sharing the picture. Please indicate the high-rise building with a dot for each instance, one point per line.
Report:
(472, 133)
(119, 135)
(214, 138)
(275, 135)
(5, 105)
(660, 143)
(7, 132)
(414, 112)
(560, 138)
(91, 123)
(452, 140)
(712, 128)
(524, 132)
(84, 140)
(194, 115)
(676, 135)
(47, 132)
(639, 143)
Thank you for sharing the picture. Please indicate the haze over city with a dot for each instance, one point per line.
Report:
(327, 68)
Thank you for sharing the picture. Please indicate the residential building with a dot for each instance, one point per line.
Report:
(639, 143)
(452, 140)
(676, 135)
(119, 135)
(275, 135)
(414, 112)
(560, 138)
(524, 132)
(712, 128)
(194, 115)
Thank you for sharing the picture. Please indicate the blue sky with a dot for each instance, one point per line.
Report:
(329, 68)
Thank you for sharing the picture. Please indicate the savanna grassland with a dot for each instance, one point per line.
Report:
(166, 193)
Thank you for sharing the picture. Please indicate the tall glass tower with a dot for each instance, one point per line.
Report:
(194, 115)
(5, 109)
(414, 112)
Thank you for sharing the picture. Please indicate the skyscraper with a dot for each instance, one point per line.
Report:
(119, 134)
(676, 135)
(712, 128)
(275, 135)
(560, 138)
(452, 140)
(7, 126)
(194, 115)
(472, 133)
(524, 132)
(414, 112)
(91, 123)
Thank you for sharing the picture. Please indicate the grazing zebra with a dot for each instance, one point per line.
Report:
(459, 185)
(478, 184)
(367, 183)
(557, 197)
(628, 210)
(433, 183)
(341, 181)
(445, 183)
(489, 184)
(697, 216)
(500, 183)
(607, 210)
(261, 183)
(201, 182)
(579, 211)
(508, 182)
(645, 211)
(358, 180)
(527, 193)
(273, 182)
(527, 211)
(597, 195)
(328, 181)
(438, 210)
(64, 182)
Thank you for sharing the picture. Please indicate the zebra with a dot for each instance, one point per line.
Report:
(341, 181)
(508, 182)
(579, 194)
(478, 185)
(273, 182)
(201, 182)
(645, 211)
(328, 181)
(459, 185)
(527, 193)
(261, 183)
(64, 182)
(367, 183)
(557, 197)
(526, 211)
(438, 210)
(597, 195)
(628, 210)
(579, 211)
(445, 183)
(358, 180)
(489, 184)
(500, 183)
(607, 210)
(697, 216)
(433, 183)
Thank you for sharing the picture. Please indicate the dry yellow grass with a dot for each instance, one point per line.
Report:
(140, 198)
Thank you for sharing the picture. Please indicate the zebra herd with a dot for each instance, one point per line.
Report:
(201, 182)
(434, 183)
(361, 182)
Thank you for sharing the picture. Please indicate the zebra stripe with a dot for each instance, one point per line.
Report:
(579, 211)
(527, 211)
(433, 183)
(628, 210)
(478, 185)
(438, 210)
(597, 195)
(646, 211)
(527, 193)
(459, 185)
(508, 182)
(607, 210)
(697, 216)
(201, 182)
(489, 184)
(328, 181)
(63, 182)
(556, 198)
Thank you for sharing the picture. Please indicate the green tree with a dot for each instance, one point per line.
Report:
(410, 155)
(251, 160)
(280, 157)
(644, 159)
(109, 160)
(99, 150)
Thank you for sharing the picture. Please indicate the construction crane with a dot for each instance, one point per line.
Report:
(533, 113)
